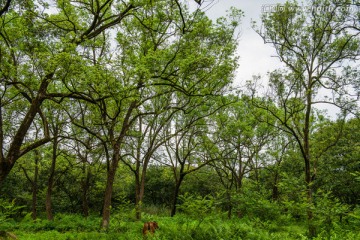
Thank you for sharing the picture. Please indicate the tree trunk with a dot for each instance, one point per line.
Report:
(310, 214)
(138, 198)
(140, 190)
(114, 165)
(5, 168)
(307, 157)
(141, 187)
(176, 194)
(48, 203)
(85, 189)
(35, 185)
(229, 204)
(109, 189)
(275, 189)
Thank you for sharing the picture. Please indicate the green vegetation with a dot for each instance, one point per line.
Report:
(115, 113)
(266, 221)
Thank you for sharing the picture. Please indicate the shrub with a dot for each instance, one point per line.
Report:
(8, 210)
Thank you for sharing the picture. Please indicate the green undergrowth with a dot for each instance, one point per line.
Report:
(181, 226)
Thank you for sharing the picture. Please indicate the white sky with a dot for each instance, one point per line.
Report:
(255, 56)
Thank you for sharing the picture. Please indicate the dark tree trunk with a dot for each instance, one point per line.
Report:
(35, 185)
(306, 155)
(140, 187)
(275, 189)
(5, 168)
(138, 179)
(85, 189)
(109, 188)
(5, 8)
(114, 165)
(48, 201)
(229, 204)
(138, 199)
(176, 194)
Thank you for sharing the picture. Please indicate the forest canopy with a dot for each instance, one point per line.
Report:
(119, 112)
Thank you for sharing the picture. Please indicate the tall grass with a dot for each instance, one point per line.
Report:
(210, 226)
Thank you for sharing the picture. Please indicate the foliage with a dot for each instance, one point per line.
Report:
(339, 166)
(8, 210)
(196, 207)
(179, 227)
(127, 107)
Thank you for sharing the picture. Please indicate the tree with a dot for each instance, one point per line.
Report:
(242, 134)
(313, 45)
(279, 150)
(57, 125)
(89, 153)
(16, 87)
(186, 151)
(73, 61)
(32, 60)
(339, 165)
(155, 58)
(33, 181)
(147, 138)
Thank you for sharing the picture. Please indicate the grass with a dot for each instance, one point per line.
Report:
(124, 226)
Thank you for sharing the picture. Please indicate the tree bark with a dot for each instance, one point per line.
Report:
(116, 143)
(5, 8)
(35, 185)
(140, 186)
(109, 188)
(229, 204)
(275, 189)
(85, 184)
(176, 194)
(138, 198)
(48, 201)
(307, 157)
(138, 178)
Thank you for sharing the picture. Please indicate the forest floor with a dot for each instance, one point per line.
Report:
(72, 226)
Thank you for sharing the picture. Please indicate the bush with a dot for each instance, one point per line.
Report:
(183, 226)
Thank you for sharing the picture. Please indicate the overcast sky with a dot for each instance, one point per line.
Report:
(256, 58)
